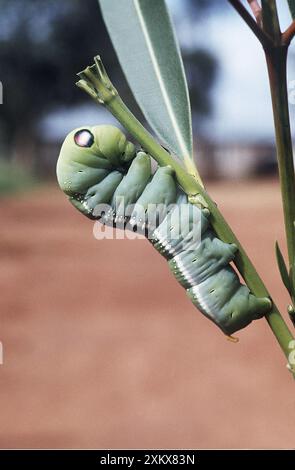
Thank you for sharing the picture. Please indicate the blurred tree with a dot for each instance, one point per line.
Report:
(201, 71)
(43, 43)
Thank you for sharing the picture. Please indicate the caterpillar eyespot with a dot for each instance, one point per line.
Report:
(109, 171)
(84, 138)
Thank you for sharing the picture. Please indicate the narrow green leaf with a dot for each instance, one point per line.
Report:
(292, 8)
(291, 313)
(291, 280)
(144, 39)
(283, 269)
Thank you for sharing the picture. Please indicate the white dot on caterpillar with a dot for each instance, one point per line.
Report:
(290, 368)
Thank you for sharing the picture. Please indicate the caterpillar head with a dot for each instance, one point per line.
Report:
(88, 154)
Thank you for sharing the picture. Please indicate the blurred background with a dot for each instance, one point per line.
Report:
(101, 346)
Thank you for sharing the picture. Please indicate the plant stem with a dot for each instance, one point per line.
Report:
(259, 33)
(270, 20)
(289, 34)
(96, 83)
(257, 11)
(277, 64)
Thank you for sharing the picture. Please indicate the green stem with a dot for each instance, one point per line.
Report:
(289, 34)
(277, 69)
(95, 82)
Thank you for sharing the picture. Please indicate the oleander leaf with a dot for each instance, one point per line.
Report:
(144, 39)
(283, 269)
(291, 4)
(291, 280)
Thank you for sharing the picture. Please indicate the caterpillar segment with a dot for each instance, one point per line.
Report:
(97, 165)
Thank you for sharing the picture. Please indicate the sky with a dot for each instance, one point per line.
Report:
(241, 98)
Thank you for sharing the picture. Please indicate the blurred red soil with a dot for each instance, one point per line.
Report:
(103, 349)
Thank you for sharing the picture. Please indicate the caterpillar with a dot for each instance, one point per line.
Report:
(98, 166)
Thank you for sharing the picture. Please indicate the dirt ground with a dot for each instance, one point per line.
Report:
(102, 349)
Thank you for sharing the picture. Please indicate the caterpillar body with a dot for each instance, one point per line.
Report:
(97, 165)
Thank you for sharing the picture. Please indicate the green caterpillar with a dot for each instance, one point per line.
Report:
(98, 166)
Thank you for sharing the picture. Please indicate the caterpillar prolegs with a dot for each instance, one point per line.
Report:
(97, 165)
